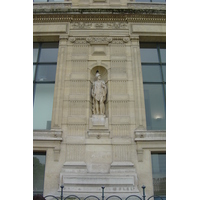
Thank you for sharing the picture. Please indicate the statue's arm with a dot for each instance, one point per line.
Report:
(93, 90)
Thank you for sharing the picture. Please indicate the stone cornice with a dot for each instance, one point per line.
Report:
(56, 7)
(65, 12)
(150, 18)
(98, 11)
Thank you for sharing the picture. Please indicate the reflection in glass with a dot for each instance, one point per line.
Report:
(164, 72)
(155, 107)
(159, 173)
(39, 0)
(34, 66)
(142, 1)
(35, 51)
(151, 73)
(39, 160)
(43, 104)
(158, 0)
(46, 72)
(49, 52)
(149, 55)
(163, 55)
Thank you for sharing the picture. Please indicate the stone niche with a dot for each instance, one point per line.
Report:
(98, 123)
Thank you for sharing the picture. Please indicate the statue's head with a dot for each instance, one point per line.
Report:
(98, 76)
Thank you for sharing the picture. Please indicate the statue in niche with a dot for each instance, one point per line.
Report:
(99, 95)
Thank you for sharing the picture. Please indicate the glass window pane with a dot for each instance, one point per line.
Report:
(142, 0)
(164, 72)
(151, 73)
(34, 66)
(40, 1)
(163, 55)
(158, 0)
(43, 104)
(159, 173)
(49, 52)
(46, 72)
(149, 55)
(165, 88)
(155, 107)
(35, 51)
(39, 160)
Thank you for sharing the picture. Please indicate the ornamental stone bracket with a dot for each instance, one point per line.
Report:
(153, 140)
(99, 40)
(49, 139)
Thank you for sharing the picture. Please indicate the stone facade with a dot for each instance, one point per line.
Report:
(84, 151)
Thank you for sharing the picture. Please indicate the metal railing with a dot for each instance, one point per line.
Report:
(103, 197)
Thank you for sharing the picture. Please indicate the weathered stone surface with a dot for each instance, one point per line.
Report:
(112, 149)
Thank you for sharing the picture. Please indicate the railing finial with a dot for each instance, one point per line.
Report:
(143, 187)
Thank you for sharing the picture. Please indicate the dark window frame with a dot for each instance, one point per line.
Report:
(160, 63)
(44, 153)
(36, 68)
(37, 63)
(158, 153)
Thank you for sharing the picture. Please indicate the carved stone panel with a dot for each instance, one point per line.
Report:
(99, 25)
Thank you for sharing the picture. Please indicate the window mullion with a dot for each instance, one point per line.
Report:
(36, 68)
(163, 82)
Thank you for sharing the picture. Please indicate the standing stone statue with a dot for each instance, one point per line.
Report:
(99, 95)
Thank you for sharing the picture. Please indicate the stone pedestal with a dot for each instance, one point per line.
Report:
(120, 180)
(87, 178)
(98, 126)
(98, 122)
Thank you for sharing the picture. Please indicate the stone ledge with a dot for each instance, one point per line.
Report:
(51, 5)
(54, 135)
(152, 140)
(146, 5)
(141, 135)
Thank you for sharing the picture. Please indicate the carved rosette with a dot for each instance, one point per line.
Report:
(72, 39)
(126, 39)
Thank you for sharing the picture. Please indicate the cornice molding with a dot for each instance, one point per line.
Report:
(85, 11)
(68, 7)
(141, 18)
(65, 12)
